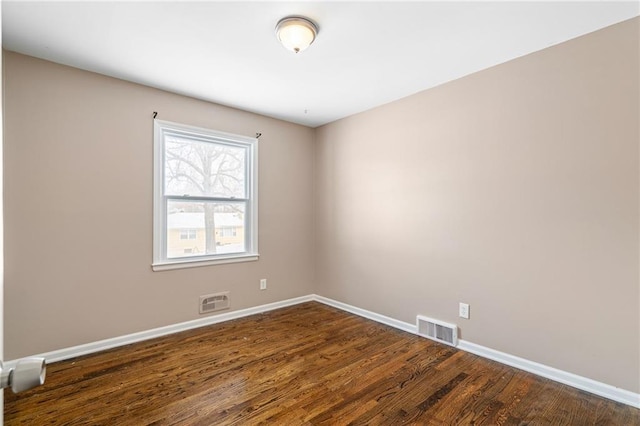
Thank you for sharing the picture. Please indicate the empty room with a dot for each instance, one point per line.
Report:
(320, 213)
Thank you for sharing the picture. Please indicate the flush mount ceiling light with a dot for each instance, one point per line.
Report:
(296, 33)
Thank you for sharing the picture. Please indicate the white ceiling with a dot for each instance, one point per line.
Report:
(366, 54)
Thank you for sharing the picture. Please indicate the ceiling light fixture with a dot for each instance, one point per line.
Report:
(296, 33)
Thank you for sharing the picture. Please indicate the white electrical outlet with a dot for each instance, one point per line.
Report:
(463, 310)
(263, 284)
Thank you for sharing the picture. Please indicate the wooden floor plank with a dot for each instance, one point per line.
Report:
(308, 364)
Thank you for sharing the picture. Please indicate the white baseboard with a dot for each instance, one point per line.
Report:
(405, 326)
(579, 382)
(101, 345)
(570, 379)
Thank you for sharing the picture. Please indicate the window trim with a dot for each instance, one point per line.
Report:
(160, 260)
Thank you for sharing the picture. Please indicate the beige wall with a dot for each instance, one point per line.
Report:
(515, 190)
(78, 167)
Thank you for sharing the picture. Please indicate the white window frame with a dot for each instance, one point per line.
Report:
(160, 200)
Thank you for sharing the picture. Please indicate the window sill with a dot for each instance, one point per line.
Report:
(190, 263)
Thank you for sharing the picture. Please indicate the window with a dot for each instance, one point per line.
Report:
(228, 232)
(205, 195)
(188, 234)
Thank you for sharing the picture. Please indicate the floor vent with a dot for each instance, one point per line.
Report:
(437, 330)
(214, 302)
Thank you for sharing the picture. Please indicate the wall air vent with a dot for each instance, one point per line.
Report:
(214, 302)
(437, 330)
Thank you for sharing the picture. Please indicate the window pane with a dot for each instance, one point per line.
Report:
(200, 228)
(206, 169)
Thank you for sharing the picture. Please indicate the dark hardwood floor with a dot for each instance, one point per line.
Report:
(308, 364)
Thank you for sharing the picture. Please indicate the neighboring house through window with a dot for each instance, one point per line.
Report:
(228, 232)
(205, 197)
(188, 234)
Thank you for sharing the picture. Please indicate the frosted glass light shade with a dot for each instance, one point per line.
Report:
(296, 33)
